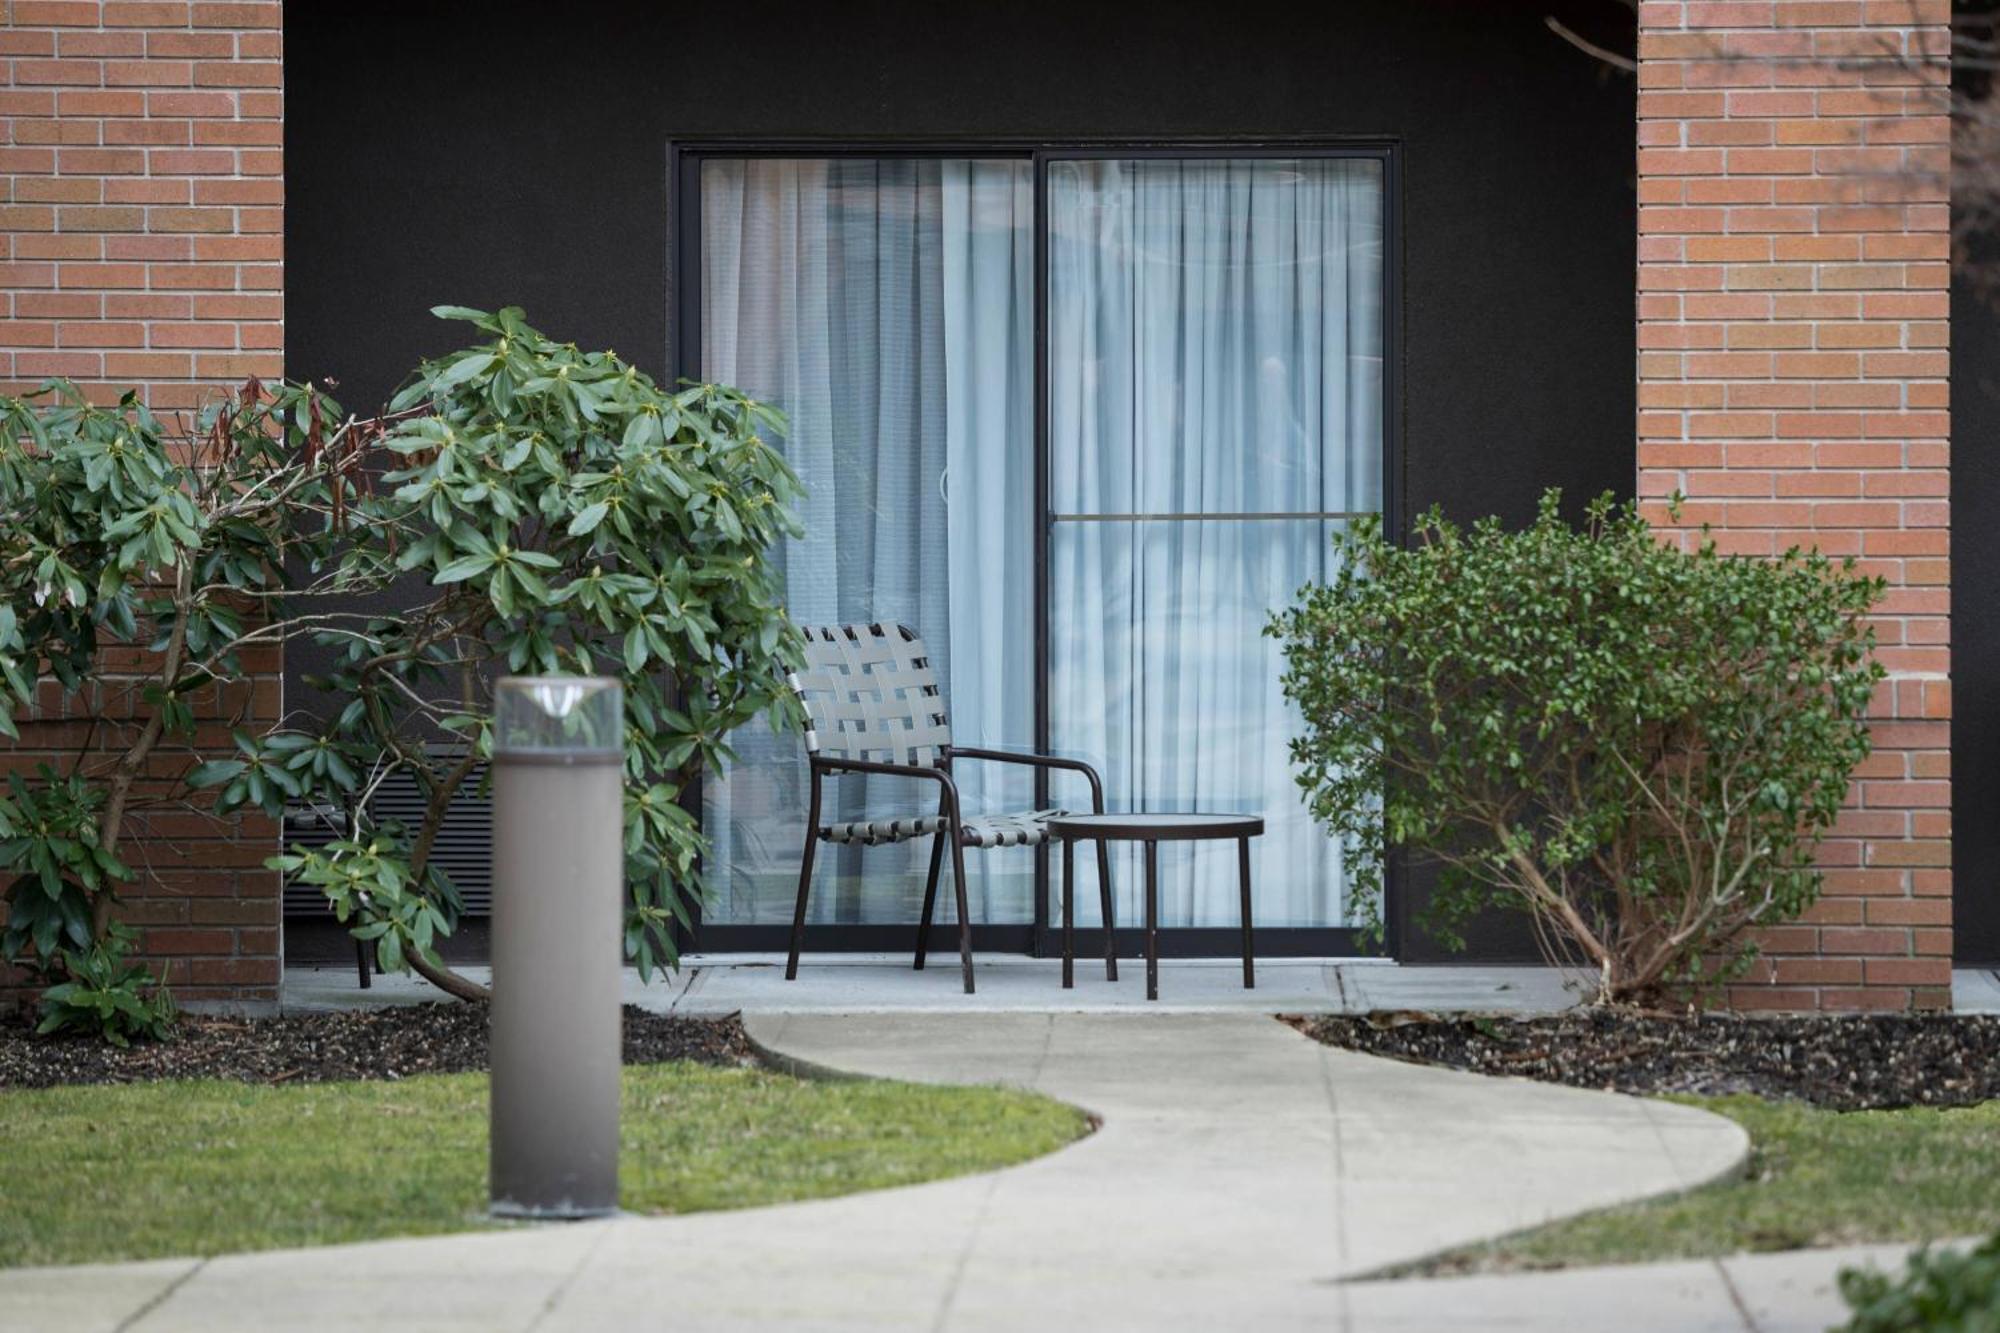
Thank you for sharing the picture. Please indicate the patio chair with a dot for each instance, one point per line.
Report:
(872, 706)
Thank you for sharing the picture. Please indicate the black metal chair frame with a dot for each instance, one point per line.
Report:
(949, 812)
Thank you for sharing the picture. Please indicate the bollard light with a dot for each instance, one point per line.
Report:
(558, 917)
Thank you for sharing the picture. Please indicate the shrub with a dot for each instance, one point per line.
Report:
(563, 513)
(1637, 745)
(108, 994)
(557, 510)
(118, 535)
(1939, 1291)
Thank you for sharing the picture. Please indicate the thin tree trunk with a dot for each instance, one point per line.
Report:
(446, 980)
(111, 824)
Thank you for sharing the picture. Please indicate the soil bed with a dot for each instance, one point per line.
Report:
(376, 1044)
(1862, 1062)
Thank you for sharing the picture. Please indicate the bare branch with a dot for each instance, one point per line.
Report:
(1590, 48)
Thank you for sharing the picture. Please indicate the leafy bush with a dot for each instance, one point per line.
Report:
(117, 536)
(1939, 1291)
(1639, 746)
(107, 993)
(563, 511)
(567, 515)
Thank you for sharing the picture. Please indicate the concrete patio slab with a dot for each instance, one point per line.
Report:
(1240, 1173)
(330, 989)
(1975, 990)
(850, 983)
(879, 983)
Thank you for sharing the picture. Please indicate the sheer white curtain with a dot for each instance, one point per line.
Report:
(885, 306)
(1215, 344)
(1214, 350)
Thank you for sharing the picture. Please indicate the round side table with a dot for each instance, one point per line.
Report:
(1151, 830)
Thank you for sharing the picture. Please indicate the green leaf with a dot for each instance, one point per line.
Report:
(588, 518)
(463, 369)
(214, 772)
(463, 568)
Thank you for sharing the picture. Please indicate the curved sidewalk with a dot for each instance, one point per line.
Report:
(1240, 1172)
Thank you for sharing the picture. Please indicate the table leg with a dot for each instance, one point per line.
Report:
(1104, 907)
(1243, 887)
(1069, 913)
(1152, 920)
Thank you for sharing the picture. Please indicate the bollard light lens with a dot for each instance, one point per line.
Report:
(559, 715)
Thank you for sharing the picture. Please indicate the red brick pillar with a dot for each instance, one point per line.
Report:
(142, 243)
(1793, 323)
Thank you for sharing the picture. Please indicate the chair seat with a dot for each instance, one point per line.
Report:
(1025, 829)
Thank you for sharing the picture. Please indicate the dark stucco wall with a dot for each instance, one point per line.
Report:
(482, 155)
(1975, 617)
(1975, 561)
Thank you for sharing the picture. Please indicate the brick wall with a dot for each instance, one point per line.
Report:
(1793, 320)
(141, 243)
(207, 909)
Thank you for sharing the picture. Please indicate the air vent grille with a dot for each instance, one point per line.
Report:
(464, 848)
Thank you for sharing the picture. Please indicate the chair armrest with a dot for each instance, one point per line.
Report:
(1039, 761)
(936, 775)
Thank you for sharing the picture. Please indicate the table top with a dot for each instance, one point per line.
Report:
(1156, 827)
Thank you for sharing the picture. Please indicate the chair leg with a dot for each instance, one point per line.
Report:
(930, 898)
(1104, 905)
(805, 882)
(964, 910)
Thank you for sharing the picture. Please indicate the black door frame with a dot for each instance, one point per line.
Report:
(1039, 938)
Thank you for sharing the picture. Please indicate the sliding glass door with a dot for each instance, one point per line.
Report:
(886, 305)
(1082, 421)
(1215, 411)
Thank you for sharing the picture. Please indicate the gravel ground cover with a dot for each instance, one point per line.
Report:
(389, 1043)
(1846, 1063)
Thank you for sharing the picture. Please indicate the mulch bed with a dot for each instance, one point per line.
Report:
(385, 1043)
(1872, 1062)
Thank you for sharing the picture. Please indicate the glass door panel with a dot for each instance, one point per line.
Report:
(1215, 393)
(886, 306)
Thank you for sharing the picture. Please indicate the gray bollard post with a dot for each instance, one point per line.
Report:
(558, 917)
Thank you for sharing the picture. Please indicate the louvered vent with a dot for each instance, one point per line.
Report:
(464, 848)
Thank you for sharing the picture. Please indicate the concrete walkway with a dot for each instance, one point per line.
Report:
(1760, 1293)
(1765, 1293)
(1240, 1172)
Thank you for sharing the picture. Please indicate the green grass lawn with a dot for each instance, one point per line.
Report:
(1814, 1178)
(146, 1170)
